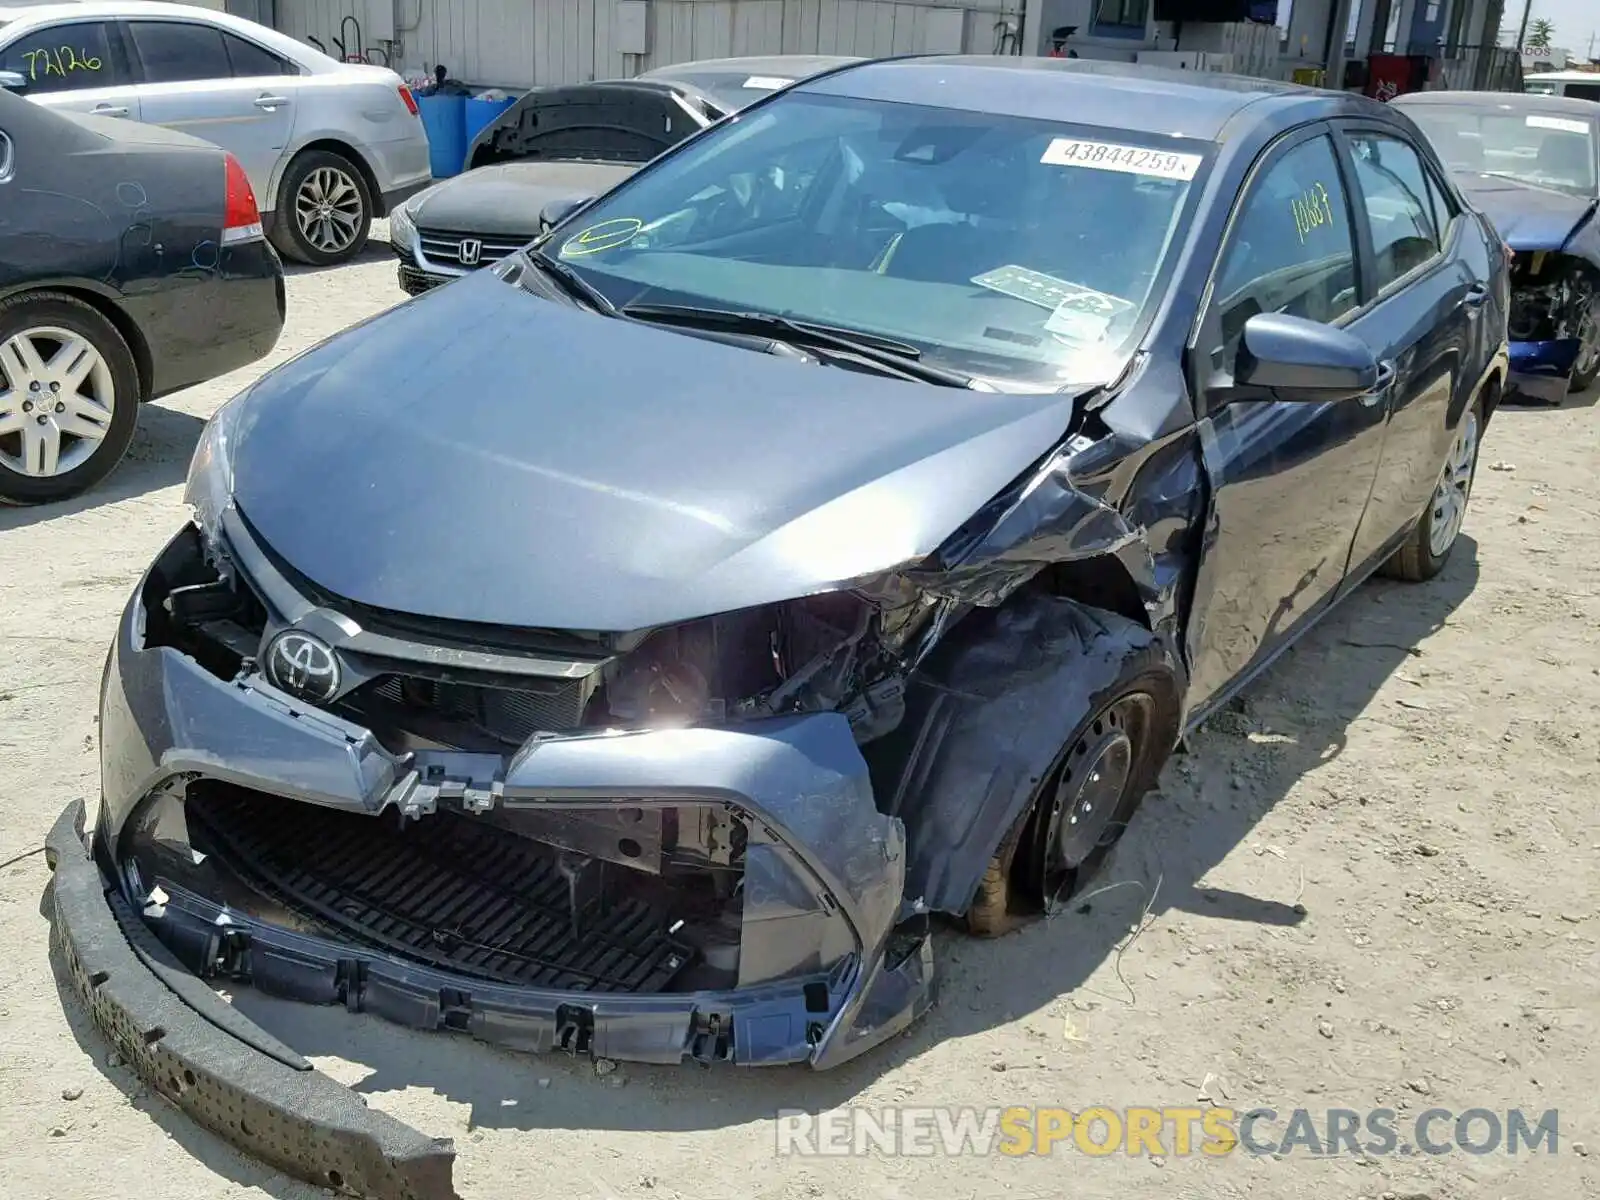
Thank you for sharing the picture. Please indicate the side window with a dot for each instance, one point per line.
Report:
(1444, 208)
(62, 58)
(179, 51)
(1583, 91)
(1394, 195)
(250, 60)
(1290, 248)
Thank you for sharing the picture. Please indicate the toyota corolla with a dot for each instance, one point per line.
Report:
(630, 648)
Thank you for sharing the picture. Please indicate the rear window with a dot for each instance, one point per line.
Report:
(1548, 149)
(179, 51)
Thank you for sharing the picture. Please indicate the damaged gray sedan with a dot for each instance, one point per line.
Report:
(629, 649)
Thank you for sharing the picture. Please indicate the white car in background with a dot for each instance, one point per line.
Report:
(327, 145)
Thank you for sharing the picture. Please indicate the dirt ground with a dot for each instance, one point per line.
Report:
(1376, 884)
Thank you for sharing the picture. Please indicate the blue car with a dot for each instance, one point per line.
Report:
(630, 648)
(1530, 164)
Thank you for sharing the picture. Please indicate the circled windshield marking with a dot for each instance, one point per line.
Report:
(607, 235)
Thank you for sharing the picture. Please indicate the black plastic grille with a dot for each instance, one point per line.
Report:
(451, 892)
(509, 716)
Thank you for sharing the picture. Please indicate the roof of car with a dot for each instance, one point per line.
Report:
(789, 66)
(1563, 77)
(1518, 101)
(1196, 104)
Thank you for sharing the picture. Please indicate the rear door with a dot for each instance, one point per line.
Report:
(1428, 301)
(205, 81)
(73, 66)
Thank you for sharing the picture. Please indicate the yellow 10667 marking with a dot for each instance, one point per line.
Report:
(1311, 210)
(58, 60)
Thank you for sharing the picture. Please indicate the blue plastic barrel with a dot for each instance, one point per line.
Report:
(479, 113)
(444, 119)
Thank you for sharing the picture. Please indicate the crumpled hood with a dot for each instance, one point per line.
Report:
(479, 454)
(1528, 218)
(507, 198)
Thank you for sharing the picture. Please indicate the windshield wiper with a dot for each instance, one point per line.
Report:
(885, 355)
(571, 282)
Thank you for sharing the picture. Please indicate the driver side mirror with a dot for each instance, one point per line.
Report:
(559, 210)
(1303, 360)
(13, 81)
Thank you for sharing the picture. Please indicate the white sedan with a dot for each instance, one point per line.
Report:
(327, 145)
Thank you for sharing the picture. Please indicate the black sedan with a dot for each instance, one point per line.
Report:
(1532, 164)
(573, 139)
(132, 264)
(830, 527)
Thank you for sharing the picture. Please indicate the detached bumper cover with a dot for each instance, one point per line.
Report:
(223, 1071)
(801, 783)
(1543, 370)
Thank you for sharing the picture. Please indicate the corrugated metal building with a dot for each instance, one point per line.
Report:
(520, 43)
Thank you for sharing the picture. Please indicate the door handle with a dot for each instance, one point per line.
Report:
(1476, 295)
(1380, 389)
(270, 102)
(110, 110)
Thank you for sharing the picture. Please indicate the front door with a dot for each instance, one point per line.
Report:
(188, 83)
(72, 66)
(1289, 481)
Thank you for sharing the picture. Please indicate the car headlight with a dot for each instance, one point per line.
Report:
(402, 230)
(209, 490)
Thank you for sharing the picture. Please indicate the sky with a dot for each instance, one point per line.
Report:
(1574, 21)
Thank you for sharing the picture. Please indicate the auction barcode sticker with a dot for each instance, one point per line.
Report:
(1131, 160)
(1564, 124)
(767, 83)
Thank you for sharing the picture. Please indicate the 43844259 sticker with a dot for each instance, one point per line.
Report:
(1113, 156)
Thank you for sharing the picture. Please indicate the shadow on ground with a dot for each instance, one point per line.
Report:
(1211, 799)
(163, 444)
(377, 249)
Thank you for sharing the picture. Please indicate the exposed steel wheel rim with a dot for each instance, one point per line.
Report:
(1078, 813)
(329, 210)
(57, 401)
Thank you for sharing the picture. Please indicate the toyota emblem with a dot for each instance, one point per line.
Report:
(303, 666)
(469, 250)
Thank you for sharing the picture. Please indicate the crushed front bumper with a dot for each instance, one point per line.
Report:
(842, 966)
(195, 1049)
(1542, 371)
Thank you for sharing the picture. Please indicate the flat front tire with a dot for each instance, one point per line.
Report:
(69, 397)
(1081, 807)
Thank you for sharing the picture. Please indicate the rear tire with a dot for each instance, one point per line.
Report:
(324, 210)
(69, 397)
(1425, 552)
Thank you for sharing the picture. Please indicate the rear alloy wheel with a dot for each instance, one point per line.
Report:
(324, 210)
(69, 398)
(1076, 815)
(1428, 548)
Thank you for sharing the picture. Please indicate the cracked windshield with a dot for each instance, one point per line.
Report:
(983, 241)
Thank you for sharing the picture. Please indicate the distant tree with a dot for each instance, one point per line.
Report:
(1539, 34)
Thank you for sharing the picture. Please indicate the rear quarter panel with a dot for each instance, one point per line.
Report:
(137, 224)
(365, 114)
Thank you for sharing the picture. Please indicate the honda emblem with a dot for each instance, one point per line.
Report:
(468, 251)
